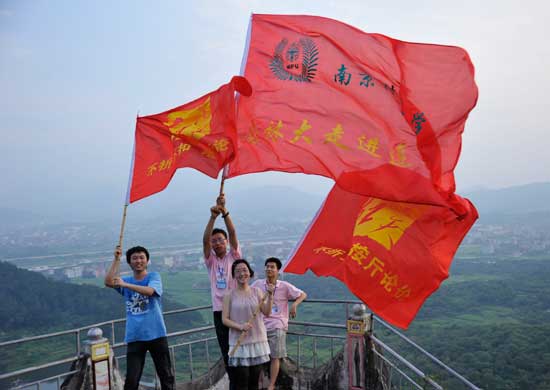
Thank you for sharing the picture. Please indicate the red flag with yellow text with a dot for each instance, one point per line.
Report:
(200, 135)
(391, 255)
(335, 101)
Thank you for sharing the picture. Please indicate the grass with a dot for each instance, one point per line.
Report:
(471, 278)
(187, 287)
(490, 315)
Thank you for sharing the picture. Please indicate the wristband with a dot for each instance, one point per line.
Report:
(225, 215)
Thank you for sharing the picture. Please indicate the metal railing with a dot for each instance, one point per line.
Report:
(435, 360)
(389, 361)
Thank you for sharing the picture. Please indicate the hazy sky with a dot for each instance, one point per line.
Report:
(73, 75)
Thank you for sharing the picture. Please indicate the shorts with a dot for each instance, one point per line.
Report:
(277, 343)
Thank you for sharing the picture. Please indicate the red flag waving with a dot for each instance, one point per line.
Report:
(391, 255)
(200, 135)
(330, 99)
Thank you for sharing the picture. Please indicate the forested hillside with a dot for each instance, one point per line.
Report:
(33, 304)
(490, 321)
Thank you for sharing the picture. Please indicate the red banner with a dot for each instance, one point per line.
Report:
(200, 135)
(391, 255)
(330, 99)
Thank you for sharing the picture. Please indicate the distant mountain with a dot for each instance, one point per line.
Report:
(15, 217)
(276, 203)
(523, 199)
(264, 205)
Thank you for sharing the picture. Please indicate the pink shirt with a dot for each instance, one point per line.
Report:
(241, 309)
(219, 271)
(278, 318)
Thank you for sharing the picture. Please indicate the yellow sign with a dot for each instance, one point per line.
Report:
(100, 351)
(356, 327)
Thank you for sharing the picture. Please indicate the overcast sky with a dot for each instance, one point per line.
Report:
(74, 74)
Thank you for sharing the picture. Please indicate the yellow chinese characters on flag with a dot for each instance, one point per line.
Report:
(200, 135)
(391, 255)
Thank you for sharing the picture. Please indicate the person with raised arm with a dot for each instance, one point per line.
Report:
(219, 260)
(145, 328)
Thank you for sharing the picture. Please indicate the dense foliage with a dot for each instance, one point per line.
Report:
(490, 322)
(33, 304)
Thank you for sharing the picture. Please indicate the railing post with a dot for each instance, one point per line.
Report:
(191, 360)
(314, 352)
(78, 342)
(99, 350)
(113, 333)
(356, 356)
(207, 353)
(299, 338)
(173, 353)
(208, 362)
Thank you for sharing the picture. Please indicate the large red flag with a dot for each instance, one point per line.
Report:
(330, 99)
(200, 135)
(391, 255)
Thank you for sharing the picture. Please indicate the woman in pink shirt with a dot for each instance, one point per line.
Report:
(247, 334)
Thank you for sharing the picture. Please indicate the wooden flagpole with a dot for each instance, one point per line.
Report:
(122, 226)
(221, 185)
(223, 178)
(127, 201)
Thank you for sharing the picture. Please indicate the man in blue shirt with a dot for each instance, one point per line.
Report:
(145, 329)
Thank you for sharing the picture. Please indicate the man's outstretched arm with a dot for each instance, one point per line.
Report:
(114, 270)
(143, 290)
(231, 232)
(207, 236)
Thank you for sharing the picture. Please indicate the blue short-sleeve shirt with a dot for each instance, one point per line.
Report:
(144, 319)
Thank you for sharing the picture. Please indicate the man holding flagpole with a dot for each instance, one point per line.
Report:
(145, 328)
(218, 260)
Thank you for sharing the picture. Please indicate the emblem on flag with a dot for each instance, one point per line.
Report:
(194, 122)
(384, 221)
(296, 61)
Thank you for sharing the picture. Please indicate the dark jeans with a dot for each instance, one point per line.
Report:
(222, 333)
(246, 378)
(135, 359)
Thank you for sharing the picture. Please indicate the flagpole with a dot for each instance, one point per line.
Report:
(129, 186)
(122, 226)
(224, 174)
(221, 185)
(244, 332)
